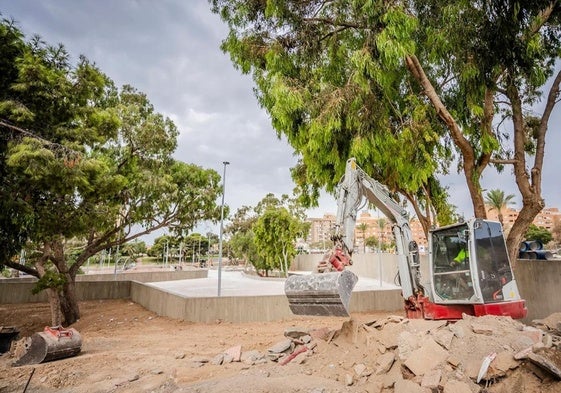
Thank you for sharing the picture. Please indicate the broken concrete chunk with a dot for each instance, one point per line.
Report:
(359, 369)
(218, 359)
(408, 386)
(549, 360)
(456, 387)
(458, 330)
(234, 352)
(407, 343)
(431, 379)
(296, 332)
(426, 358)
(251, 357)
(384, 363)
(443, 337)
(505, 361)
(281, 346)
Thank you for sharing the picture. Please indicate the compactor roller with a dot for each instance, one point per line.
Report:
(51, 344)
(323, 294)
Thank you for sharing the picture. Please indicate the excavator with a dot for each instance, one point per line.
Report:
(469, 268)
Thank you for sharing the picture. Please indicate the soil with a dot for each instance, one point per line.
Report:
(126, 348)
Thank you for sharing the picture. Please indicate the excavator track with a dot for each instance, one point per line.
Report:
(323, 294)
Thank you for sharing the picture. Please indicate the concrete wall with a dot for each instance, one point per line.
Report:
(246, 308)
(539, 284)
(91, 287)
(20, 292)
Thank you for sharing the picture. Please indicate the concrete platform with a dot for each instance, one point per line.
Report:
(236, 283)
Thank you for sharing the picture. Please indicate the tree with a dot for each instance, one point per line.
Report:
(497, 200)
(265, 235)
(540, 234)
(88, 161)
(362, 227)
(276, 231)
(405, 88)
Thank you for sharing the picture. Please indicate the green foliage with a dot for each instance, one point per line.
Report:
(540, 234)
(347, 78)
(50, 279)
(265, 235)
(275, 234)
(86, 160)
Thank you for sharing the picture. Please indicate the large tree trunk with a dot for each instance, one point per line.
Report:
(54, 304)
(69, 301)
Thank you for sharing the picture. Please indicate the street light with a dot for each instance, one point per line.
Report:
(221, 228)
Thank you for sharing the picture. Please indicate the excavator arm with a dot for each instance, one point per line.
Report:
(354, 190)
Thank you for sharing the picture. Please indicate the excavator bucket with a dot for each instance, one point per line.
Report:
(323, 294)
(51, 344)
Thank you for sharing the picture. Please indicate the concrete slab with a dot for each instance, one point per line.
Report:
(236, 283)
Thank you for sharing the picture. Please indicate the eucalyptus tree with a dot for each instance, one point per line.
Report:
(408, 88)
(89, 161)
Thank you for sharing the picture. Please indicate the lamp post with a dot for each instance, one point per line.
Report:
(221, 228)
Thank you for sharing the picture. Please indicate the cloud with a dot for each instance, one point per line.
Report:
(170, 50)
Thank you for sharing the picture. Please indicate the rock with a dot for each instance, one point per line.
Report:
(407, 386)
(384, 363)
(444, 337)
(199, 359)
(533, 333)
(282, 346)
(407, 343)
(359, 369)
(480, 328)
(389, 335)
(296, 332)
(235, 352)
(523, 354)
(218, 359)
(547, 340)
(504, 361)
(458, 330)
(348, 379)
(180, 356)
(227, 358)
(250, 357)
(425, 358)
(393, 375)
(453, 360)
(431, 379)
(548, 359)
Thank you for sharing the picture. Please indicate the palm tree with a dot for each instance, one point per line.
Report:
(497, 200)
(362, 227)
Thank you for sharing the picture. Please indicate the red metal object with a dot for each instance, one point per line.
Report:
(422, 307)
(515, 309)
(339, 260)
(58, 331)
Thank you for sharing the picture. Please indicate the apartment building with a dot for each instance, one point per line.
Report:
(378, 226)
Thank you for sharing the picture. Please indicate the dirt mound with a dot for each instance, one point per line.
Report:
(129, 349)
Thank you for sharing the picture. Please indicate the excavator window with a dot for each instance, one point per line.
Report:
(493, 266)
(451, 268)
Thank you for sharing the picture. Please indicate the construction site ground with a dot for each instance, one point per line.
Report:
(129, 349)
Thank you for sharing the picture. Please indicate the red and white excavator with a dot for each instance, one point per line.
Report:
(469, 268)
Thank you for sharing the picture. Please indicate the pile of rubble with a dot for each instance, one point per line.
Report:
(402, 355)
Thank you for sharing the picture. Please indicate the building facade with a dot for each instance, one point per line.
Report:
(380, 228)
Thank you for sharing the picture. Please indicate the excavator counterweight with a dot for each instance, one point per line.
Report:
(326, 294)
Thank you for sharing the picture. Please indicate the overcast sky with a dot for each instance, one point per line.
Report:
(169, 49)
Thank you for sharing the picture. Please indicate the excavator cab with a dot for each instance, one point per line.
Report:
(470, 265)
